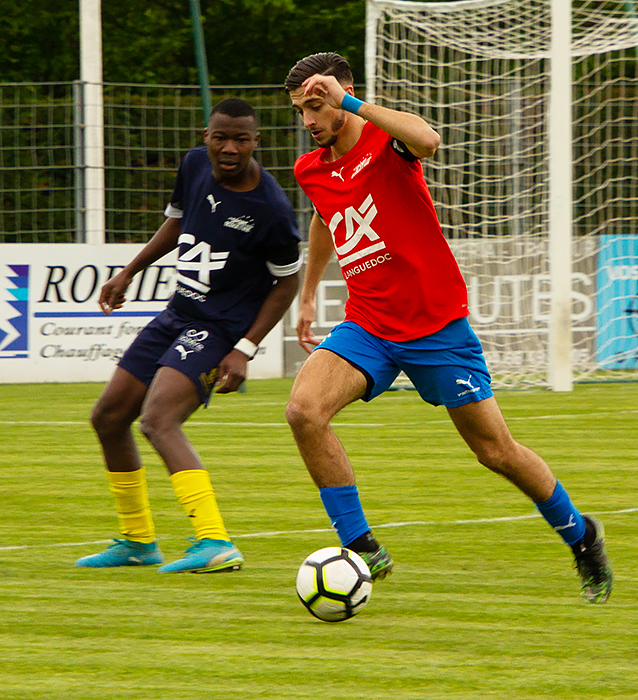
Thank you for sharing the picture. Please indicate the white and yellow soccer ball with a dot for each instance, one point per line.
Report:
(334, 584)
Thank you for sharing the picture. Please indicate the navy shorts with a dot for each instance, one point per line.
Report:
(446, 367)
(193, 347)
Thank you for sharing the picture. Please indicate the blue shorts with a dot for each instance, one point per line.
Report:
(446, 367)
(194, 348)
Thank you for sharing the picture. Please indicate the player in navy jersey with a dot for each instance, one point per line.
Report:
(407, 310)
(236, 276)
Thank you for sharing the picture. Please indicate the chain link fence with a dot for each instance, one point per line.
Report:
(147, 130)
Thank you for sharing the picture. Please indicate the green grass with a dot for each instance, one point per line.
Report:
(474, 610)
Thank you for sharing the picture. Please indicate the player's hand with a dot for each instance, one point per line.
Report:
(306, 337)
(112, 292)
(326, 86)
(232, 372)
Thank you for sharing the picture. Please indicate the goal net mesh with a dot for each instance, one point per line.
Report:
(479, 72)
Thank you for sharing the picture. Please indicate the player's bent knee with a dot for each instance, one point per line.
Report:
(108, 421)
(302, 416)
(295, 415)
(492, 457)
(97, 419)
(151, 427)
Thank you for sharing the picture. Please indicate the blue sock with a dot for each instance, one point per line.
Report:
(563, 516)
(344, 509)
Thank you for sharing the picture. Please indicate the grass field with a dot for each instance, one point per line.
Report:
(483, 603)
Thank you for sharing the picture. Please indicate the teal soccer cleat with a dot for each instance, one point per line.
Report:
(206, 556)
(124, 553)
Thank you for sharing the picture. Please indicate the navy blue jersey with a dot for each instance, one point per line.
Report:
(232, 245)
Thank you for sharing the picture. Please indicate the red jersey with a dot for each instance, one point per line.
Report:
(403, 281)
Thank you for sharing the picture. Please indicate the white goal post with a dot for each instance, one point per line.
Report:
(536, 180)
(91, 218)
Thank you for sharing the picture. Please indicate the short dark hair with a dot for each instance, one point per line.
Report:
(234, 107)
(323, 63)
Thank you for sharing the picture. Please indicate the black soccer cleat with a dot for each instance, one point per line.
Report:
(380, 562)
(593, 565)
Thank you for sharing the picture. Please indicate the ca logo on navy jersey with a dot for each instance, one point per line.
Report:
(195, 264)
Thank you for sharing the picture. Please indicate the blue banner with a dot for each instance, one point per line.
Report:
(617, 302)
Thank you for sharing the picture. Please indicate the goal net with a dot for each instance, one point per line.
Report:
(479, 72)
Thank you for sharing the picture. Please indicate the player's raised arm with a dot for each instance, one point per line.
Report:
(420, 138)
(165, 239)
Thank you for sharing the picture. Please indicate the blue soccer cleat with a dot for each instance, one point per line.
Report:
(124, 553)
(206, 556)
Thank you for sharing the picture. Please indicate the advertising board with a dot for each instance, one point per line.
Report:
(52, 329)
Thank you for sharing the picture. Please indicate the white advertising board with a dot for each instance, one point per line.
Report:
(52, 329)
(509, 300)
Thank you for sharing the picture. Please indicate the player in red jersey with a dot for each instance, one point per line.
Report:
(407, 310)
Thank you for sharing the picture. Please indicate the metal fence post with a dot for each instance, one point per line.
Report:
(78, 161)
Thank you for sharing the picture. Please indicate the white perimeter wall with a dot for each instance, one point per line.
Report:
(51, 328)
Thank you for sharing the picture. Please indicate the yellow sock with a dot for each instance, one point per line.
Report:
(195, 492)
(133, 508)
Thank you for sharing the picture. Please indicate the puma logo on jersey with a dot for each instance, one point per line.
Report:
(338, 174)
(213, 203)
(358, 224)
(397, 146)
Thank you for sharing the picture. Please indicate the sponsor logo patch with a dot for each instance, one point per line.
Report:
(358, 224)
(14, 311)
(362, 164)
(240, 223)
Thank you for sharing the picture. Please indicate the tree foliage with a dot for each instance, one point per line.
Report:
(247, 41)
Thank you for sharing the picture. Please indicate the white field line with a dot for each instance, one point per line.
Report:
(255, 424)
(287, 533)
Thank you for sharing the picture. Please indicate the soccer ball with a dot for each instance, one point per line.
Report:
(334, 584)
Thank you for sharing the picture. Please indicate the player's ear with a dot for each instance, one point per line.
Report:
(205, 134)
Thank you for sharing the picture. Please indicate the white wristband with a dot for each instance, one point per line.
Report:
(247, 347)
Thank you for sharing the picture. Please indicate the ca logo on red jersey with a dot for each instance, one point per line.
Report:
(358, 223)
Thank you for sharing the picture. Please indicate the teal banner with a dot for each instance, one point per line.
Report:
(617, 302)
